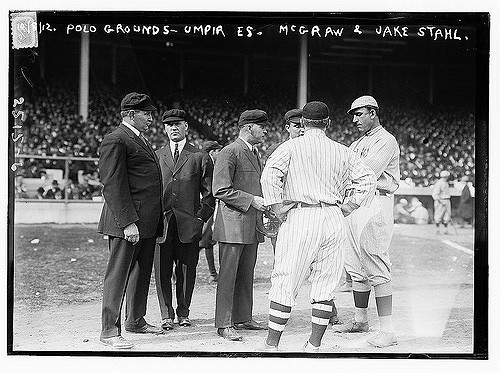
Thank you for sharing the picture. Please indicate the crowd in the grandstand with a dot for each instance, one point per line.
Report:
(429, 141)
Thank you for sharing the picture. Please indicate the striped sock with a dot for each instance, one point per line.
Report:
(278, 317)
(321, 312)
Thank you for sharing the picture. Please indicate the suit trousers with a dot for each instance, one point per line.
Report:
(234, 299)
(185, 258)
(128, 272)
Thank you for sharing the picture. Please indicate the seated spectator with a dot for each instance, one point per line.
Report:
(20, 188)
(401, 214)
(418, 212)
(54, 192)
(85, 190)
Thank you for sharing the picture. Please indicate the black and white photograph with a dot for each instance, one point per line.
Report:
(259, 184)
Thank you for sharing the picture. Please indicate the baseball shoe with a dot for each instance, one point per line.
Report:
(167, 324)
(229, 333)
(383, 339)
(184, 321)
(116, 342)
(309, 348)
(146, 329)
(268, 348)
(351, 327)
(334, 320)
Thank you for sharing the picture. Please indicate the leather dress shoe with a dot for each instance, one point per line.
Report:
(116, 342)
(167, 324)
(184, 321)
(229, 333)
(146, 329)
(250, 325)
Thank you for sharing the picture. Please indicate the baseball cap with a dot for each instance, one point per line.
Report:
(444, 174)
(210, 145)
(173, 115)
(315, 110)
(254, 116)
(137, 101)
(293, 115)
(362, 102)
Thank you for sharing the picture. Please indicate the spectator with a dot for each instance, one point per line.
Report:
(54, 192)
(20, 188)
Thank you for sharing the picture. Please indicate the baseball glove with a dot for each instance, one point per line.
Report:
(271, 223)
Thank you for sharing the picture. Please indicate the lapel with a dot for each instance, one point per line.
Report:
(183, 157)
(250, 155)
(166, 157)
(137, 139)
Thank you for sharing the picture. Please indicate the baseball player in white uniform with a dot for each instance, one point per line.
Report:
(307, 176)
(442, 202)
(371, 228)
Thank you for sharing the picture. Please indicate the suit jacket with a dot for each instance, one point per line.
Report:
(236, 180)
(183, 184)
(131, 178)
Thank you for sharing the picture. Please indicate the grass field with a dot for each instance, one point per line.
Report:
(58, 279)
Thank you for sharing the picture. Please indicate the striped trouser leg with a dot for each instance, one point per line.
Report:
(278, 317)
(321, 312)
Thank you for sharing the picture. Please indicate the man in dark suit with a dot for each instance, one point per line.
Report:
(187, 175)
(131, 217)
(237, 185)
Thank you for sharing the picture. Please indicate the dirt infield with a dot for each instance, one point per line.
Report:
(58, 282)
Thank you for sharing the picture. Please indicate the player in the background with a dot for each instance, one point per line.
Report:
(371, 228)
(307, 176)
(442, 202)
(294, 128)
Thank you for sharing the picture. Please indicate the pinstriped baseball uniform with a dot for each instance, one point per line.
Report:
(371, 228)
(312, 169)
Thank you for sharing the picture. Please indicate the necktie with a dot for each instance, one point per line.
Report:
(176, 153)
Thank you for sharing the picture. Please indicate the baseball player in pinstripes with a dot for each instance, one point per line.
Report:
(370, 229)
(306, 177)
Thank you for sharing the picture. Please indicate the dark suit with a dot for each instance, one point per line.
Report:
(236, 180)
(131, 177)
(183, 184)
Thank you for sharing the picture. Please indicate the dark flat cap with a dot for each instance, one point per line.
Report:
(174, 115)
(210, 145)
(315, 110)
(254, 116)
(293, 115)
(137, 101)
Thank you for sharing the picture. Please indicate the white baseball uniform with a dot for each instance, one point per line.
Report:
(371, 227)
(314, 171)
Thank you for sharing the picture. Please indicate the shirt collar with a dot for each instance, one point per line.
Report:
(374, 130)
(314, 132)
(132, 128)
(247, 143)
(181, 144)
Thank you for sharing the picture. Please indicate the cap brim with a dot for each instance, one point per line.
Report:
(173, 119)
(294, 120)
(148, 108)
(350, 111)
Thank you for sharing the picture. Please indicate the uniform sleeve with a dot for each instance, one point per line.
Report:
(114, 177)
(207, 199)
(363, 182)
(222, 185)
(380, 155)
(274, 172)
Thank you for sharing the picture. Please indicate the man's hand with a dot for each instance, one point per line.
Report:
(281, 209)
(348, 208)
(131, 233)
(258, 203)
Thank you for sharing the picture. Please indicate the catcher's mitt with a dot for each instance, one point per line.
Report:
(271, 223)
